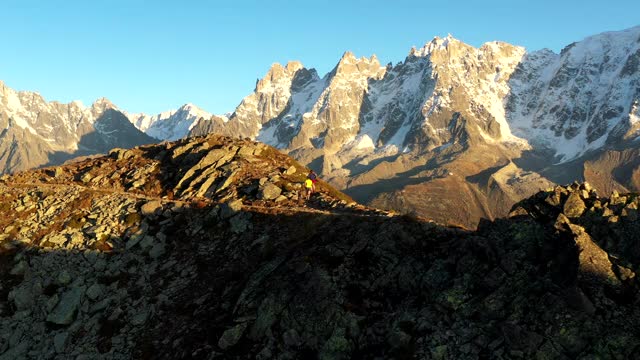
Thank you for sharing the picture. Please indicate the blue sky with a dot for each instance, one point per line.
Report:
(152, 56)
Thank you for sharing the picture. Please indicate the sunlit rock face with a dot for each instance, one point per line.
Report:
(36, 132)
(491, 124)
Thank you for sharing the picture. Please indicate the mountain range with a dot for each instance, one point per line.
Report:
(169, 125)
(36, 132)
(453, 132)
(457, 127)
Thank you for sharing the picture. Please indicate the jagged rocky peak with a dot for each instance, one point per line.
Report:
(349, 64)
(449, 51)
(473, 82)
(498, 51)
(103, 103)
(190, 111)
(4, 89)
(437, 43)
(279, 74)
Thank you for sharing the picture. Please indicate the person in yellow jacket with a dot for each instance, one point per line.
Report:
(308, 185)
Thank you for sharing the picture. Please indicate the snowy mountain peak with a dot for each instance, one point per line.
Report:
(581, 97)
(189, 107)
(437, 43)
(169, 125)
(279, 75)
(349, 58)
(502, 94)
(38, 132)
(349, 65)
(102, 104)
(78, 104)
(293, 66)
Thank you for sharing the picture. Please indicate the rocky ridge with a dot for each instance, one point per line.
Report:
(87, 238)
(202, 248)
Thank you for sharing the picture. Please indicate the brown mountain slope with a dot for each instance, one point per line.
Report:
(199, 249)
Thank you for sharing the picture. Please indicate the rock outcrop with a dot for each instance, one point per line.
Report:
(203, 248)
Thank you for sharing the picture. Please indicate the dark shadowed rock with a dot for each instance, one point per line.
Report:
(64, 313)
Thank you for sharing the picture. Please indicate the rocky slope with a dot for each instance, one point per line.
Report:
(388, 135)
(36, 132)
(202, 249)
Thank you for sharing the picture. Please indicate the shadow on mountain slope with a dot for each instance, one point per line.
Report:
(203, 248)
(191, 280)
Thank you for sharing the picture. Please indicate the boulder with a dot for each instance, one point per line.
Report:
(147, 241)
(239, 224)
(157, 250)
(94, 292)
(60, 341)
(23, 297)
(574, 206)
(121, 154)
(291, 170)
(151, 207)
(230, 208)
(65, 312)
(231, 336)
(63, 278)
(245, 151)
(270, 191)
(21, 268)
(140, 318)
(58, 239)
(86, 177)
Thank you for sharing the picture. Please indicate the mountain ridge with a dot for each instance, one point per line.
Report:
(497, 103)
(37, 132)
(203, 248)
(171, 124)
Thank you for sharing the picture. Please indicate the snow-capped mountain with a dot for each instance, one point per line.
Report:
(453, 132)
(489, 122)
(364, 109)
(579, 97)
(36, 132)
(169, 125)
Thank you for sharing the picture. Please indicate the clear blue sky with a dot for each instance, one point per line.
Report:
(151, 56)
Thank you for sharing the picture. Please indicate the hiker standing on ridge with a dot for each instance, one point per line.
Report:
(308, 186)
(313, 177)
